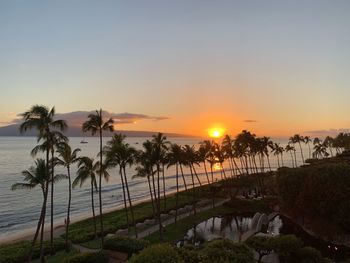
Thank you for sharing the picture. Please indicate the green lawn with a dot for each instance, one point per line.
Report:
(58, 257)
(83, 231)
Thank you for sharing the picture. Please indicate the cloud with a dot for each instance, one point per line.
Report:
(328, 132)
(76, 118)
(250, 121)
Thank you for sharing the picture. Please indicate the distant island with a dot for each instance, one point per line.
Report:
(13, 130)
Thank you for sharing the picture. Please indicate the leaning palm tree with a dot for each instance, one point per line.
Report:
(329, 143)
(36, 176)
(289, 148)
(87, 170)
(42, 119)
(96, 124)
(67, 157)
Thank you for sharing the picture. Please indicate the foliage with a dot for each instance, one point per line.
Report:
(189, 254)
(100, 257)
(286, 245)
(18, 252)
(317, 191)
(160, 253)
(262, 245)
(308, 254)
(125, 244)
(226, 251)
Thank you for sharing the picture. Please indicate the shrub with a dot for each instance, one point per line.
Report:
(100, 257)
(226, 251)
(160, 253)
(18, 252)
(189, 254)
(309, 254)
(125, 244)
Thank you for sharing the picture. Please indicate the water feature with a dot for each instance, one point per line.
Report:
(238, 228)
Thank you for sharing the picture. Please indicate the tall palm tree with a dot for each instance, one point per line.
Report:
(67, 157)
(36, 176)
(122, 154)
(298, 139)
(87, 170)
(189, 157)
(174, 158)
(307, 141)
(42, 119)
(289, 148)
(160, 146)
(97, 124)
(328, 143)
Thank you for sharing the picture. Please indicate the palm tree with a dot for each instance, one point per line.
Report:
(298, 139)
(320, 151)
(289, 148)
(67, 157)
(189, 159)
(328, 143)
(307, 141)
(42, 119)
(36, 176)
(96, 124)
(175, 158)
(120, 153)
(87, 169)
(228, 148)
(159, 144)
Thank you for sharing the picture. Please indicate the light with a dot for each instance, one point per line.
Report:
(216, 132)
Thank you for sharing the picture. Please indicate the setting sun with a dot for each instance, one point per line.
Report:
(216, 132)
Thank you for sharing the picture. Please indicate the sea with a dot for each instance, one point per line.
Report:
(20, 209)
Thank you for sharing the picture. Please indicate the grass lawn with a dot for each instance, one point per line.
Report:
(83, 231)
(175, 232)
(58, 257)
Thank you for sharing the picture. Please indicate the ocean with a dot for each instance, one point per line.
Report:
(19, 210)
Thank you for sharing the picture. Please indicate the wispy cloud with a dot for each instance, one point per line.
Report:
(76, 118)
(250, 121)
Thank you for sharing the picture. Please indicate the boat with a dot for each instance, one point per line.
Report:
(82, 141)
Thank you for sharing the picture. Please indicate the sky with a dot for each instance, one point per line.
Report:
(273, 67)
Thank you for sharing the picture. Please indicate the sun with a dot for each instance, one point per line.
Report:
(216, 132)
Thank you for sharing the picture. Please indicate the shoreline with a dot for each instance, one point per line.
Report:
(59, 228)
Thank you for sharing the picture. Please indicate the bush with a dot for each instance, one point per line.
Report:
(189, 254)
(226, 251)
(160, 253)
(309, 254)
(125, 244)
(18, 252)
(100, 257)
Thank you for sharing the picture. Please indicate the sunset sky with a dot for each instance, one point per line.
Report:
(273, 67)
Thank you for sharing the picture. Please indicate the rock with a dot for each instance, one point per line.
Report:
(122, 232)
(110, 235)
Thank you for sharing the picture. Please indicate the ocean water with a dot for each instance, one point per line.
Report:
(19, 210)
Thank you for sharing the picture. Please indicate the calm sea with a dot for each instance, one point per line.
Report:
(19, 210)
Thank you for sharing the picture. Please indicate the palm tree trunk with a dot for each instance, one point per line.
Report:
(194, 170)
(177, 192)
(206, 171)
(100, 190)
(183, 177)
(69, 203)
(238, 169)
(52, 252)
(124, 199)
(301, 152)
(308, 144)
(155, 194)
(268, 161)
(212, 181)
(193, 192)
(37, 228)
(150, 192)
(130, 202)
(93, 208)
(42, 250)
(164, 196)
(282, 158)
(158, 204)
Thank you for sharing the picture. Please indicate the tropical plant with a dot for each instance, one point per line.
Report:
(97, 124)
(87, 170)
(39, 117)
(67, 157)
(119, 153)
